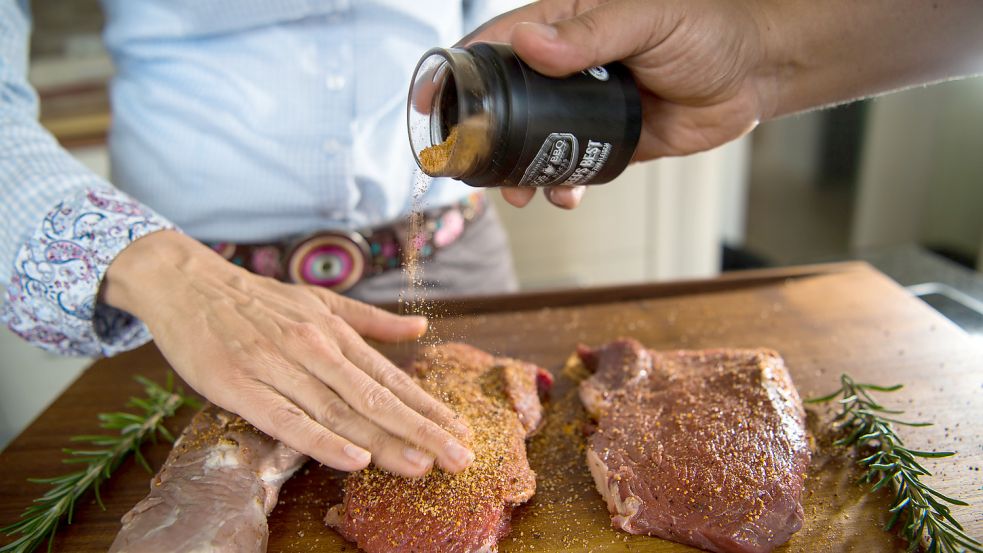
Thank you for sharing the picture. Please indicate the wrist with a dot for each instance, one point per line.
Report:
(144, 274)
(777, 67)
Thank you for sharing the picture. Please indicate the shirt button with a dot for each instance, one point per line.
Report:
(335, 82)
(332, 146)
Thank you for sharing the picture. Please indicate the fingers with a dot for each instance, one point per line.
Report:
(324, 406)
(385, 373)
(566, 197)
(381, 406)
(373, 322)
(285, 421)
(423, 90)
(609, 32)
(518, 196)
(499, 29)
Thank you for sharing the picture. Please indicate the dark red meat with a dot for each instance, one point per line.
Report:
(460, 513)
(706, 448)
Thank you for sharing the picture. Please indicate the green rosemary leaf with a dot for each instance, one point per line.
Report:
(137, 419)
(97, 439)
(892, 521)
(871, 413)
(865, 426)
(142, 461)
(877, 388)
(947, 499)
(40, 520)
(881, 483)
(165, 433)
(95, 491)
(900, 505)
(822, 399)
(76, 460)
(55, 479)
(146, 405)
(930, 454)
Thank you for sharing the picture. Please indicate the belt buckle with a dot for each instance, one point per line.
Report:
(335, 260)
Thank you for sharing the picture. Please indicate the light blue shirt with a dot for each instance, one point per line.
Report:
(241, 120)
(253, 120)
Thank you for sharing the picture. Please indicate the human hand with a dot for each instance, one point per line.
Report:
(699, 65)
(287, 358)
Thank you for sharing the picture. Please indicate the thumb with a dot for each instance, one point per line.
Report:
(609, 32)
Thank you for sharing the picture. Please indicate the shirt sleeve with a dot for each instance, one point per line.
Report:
(477, 12)
(60, 224)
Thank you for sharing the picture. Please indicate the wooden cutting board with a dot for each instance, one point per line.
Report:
(825, 320)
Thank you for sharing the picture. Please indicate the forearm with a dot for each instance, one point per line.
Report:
(821, 53)
(60, 224)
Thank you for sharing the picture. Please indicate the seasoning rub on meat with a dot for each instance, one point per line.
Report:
(454, 513)
(706, 448)
(214, 491)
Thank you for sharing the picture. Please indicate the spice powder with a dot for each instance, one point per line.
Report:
(434, 158)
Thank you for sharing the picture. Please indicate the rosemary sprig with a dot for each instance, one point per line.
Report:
(869, 428)
(40, 520)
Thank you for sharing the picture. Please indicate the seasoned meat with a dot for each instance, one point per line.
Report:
(213, 492)
(454, 513)
(706, 448)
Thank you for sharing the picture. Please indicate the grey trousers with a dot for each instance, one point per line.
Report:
(477, 263)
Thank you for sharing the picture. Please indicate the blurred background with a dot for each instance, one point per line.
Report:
(896, 181)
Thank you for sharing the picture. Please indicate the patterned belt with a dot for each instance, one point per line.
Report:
(337, 260)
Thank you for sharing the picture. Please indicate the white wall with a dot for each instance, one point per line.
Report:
(659, 220)
(954, 214)
(29, 380)
(921, 179)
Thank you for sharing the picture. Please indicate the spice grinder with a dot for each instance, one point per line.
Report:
(481, 115)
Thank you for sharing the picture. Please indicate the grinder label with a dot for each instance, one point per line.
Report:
(554, 163)
(595, 156)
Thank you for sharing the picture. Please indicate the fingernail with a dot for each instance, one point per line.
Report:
(460, 430)
(461, 455)
(417, 457)
(565, 197)
(547, 32)
(577, 193)
(358, 454)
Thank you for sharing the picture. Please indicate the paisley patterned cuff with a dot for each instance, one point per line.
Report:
(51, 300)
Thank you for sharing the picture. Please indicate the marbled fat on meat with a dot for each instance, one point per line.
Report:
(454, 513)
(706, 448)
(214, 491)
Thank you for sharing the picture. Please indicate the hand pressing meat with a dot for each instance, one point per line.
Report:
(454, 513)
(214, 491)
(290, 359)
(705, 448)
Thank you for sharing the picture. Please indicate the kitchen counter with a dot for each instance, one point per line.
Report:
(953, 290)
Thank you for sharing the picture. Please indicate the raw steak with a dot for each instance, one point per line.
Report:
(706, 448)
(454, 513)
(213, 492)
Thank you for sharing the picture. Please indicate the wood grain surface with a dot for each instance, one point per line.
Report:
(825, 320)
